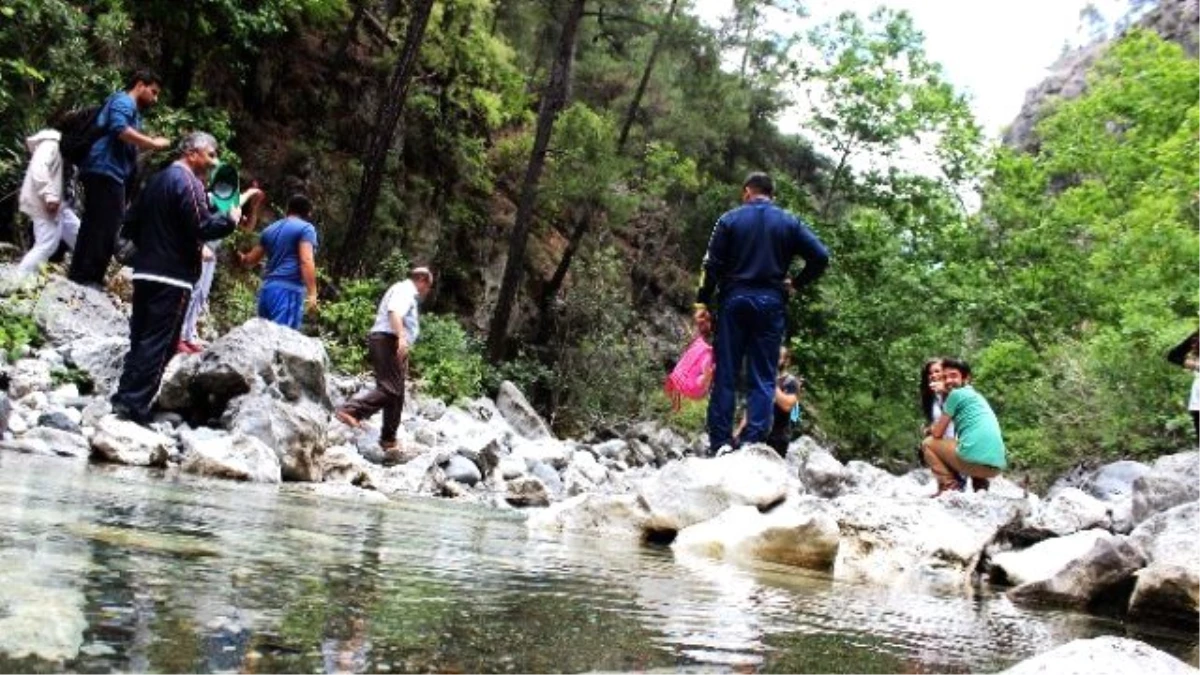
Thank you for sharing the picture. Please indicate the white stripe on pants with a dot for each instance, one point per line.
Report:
(199, 300)
(46, 236)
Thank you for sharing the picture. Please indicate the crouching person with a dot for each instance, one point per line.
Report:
(395, 330)
(170, 224)
(979, 451)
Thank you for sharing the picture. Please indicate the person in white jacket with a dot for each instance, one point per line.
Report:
(42, 199)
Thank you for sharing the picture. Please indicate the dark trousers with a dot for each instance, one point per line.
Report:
(750, 326)
(388, 393)
(104, 209)
(158, 311)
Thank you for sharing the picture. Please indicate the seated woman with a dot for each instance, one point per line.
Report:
(979, 450)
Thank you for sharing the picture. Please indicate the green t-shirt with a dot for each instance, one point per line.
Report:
(978, 430)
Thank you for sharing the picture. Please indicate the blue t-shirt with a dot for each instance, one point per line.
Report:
(110, 156)
(281, 241)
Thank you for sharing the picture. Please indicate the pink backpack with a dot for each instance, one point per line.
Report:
(686, 379)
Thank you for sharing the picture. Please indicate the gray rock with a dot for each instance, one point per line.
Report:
(344, 464)
(1102, 655)
(1095, 577)
(1114, 482)
(1045, 559)
(5, 413)
(526, 491)
(236, 457)
(50, 442)
(616, 449)
(431, 409)
(914, 542)
(28, 376)
(511, 467)
(1069, 511)
(296, 432)
(123, 442)
(59, 420)
(823, 475)
(549, 477)
(1174, 480)
(258, 356)
(1167, 590)
(485, 455)
(800, 534)
(67, 312)
(519, 413)
(461, 469)
(101, 358)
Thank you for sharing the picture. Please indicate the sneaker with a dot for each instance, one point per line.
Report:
(392, 454)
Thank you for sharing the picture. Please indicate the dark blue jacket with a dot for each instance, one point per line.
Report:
(170, 222)
(752, 247)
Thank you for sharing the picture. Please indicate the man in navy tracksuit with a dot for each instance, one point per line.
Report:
(748, 257)
(172, 220)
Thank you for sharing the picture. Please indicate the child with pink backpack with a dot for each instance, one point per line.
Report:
(693, 373)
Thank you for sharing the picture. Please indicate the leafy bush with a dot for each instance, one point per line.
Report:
(344, 323)
(447, 362)
(17, 331)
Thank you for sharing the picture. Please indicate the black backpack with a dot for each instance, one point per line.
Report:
(80, 130)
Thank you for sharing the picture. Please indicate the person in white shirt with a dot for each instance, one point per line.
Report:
(43, 200)
(395, 330)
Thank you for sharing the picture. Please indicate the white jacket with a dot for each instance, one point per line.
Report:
(43, 179)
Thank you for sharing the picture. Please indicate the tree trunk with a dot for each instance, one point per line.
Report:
(338, 62)
(553, 101)
(641, 88)
(837, 175)
(358, 230)
(575, 240)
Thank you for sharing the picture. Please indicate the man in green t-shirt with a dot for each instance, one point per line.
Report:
(978, 451)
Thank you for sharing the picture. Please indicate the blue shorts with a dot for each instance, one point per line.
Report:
(282, 304)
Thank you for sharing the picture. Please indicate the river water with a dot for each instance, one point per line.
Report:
(116, 569)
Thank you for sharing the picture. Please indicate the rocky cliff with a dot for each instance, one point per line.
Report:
(1174, 20)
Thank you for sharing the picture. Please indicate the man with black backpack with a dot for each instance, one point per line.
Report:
(112, 142)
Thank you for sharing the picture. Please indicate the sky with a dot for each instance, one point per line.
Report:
(994, 51)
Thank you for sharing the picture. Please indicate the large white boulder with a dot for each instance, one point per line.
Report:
(122, 442)
(801, 533)
(1046, 558)
(693, 490)
(233, 456)
(1102, 655)
(1098, 574)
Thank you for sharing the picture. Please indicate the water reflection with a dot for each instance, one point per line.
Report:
(107, 569)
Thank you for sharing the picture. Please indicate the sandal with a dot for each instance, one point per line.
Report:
(347, 419)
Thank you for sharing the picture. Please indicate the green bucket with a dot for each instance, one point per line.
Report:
(224, 187)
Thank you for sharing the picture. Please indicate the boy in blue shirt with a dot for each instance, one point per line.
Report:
(290, 279)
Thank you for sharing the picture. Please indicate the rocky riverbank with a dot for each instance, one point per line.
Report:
(257, 406)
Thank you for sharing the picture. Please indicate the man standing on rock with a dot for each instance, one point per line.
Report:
(395, 330)
(172, 221)
(749, 255)
(110, 166)
(290, 280)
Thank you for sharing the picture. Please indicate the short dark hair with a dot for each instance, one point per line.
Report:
(299, 205)
(143, 75)
(957, 364)
(760, 183)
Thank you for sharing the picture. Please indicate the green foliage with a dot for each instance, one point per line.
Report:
(345, 322)
(72, 375)
(18, 332)
(447, 363)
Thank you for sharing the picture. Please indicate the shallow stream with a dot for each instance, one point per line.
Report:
(115, 569)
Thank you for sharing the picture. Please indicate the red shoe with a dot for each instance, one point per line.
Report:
(184, 347)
